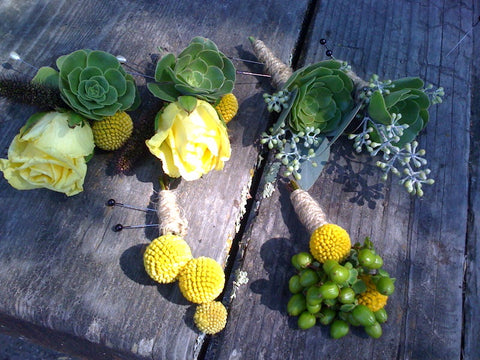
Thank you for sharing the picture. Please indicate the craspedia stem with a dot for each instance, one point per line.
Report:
(279, 71)
(309, 212)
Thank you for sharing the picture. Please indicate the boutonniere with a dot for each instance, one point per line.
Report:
(191, 137)
(87, 97)
(319, 102)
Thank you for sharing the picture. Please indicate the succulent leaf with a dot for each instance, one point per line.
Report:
(94, 84)
(200, 70)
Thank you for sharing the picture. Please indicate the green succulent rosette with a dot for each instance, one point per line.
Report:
(406, 97)
(92, 83)
(322, 95)
(200, 70)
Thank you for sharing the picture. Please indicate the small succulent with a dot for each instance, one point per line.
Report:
(320, 95)
(405, 97)
(92, 83)
(200, 70)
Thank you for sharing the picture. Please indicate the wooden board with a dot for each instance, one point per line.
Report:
(472, 254)
(67, 279)
(421, 240)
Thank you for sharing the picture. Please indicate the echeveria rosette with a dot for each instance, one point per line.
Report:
(322, 98)
(92, 83)
(404, 96)
(200, 70)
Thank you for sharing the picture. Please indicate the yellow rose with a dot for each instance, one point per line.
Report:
(190, 144)
(49, 155)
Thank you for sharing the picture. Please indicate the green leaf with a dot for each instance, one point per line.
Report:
(161, 72)
(47, 76)
(70, 62)
(309, 173)
(407, 82)
(102, 60)
(117, 80)
(353, 276)
(394, 97)
(74, 119)
(378, 110)
(188, 103)
(359, 287)
(166, 92)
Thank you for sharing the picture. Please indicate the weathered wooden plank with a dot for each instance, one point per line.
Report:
(421, 240)
(65, 275)
(472, 280)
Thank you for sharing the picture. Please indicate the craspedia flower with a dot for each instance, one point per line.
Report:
(201, 280)
(330, 242)
(371, 298)
(211, 317)
(113, 131)
(227, 107)
(165, 256)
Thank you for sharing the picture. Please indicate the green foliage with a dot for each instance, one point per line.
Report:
(200, 70)
(92, 83)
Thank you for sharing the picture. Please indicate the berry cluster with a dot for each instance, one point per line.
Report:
(353, 291)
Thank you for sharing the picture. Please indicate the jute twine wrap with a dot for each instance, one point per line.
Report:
(170, 215)
(308, 210)
(358, 82)
(274, 66)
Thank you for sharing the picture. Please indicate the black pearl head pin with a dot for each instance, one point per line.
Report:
(323, 41)
(329, 53)
(118, 227)
(113, 202)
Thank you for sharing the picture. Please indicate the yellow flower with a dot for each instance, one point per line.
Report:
(210, 317)
(49, 154)
(330, 242)
(371, 298)
(112, 132)
(190, 144)
(201, 280)
(227, 107)
(165, 256)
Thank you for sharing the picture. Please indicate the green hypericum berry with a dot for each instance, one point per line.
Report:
(294, 284)
(366, 257)
(351, 319)
(326, 316)
(339, 274)
(347, 296)
(363, 315)
(374, 331)
(328, 265)
(314, 295)
(308, 277)
(304, 259)
(306, 320)
(295, 263)
(377, 264)
(314, 309)
(339, 328)
(296, 305)
(381, 315)
(329, 290)
(385, 286)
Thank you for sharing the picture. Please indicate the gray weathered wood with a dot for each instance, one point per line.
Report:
(67, 279)
(472, 279)
(421, 240)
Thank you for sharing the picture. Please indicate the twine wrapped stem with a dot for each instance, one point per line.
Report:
(308, 210)
(170, 215)
(279, 71)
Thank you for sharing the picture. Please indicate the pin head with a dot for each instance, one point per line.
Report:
(323, 41)
(118, 227)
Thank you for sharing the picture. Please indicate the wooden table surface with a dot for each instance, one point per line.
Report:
(71, 283)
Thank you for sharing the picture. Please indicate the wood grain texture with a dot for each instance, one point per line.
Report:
(472, 279)
(422, 240)
(68, 280)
